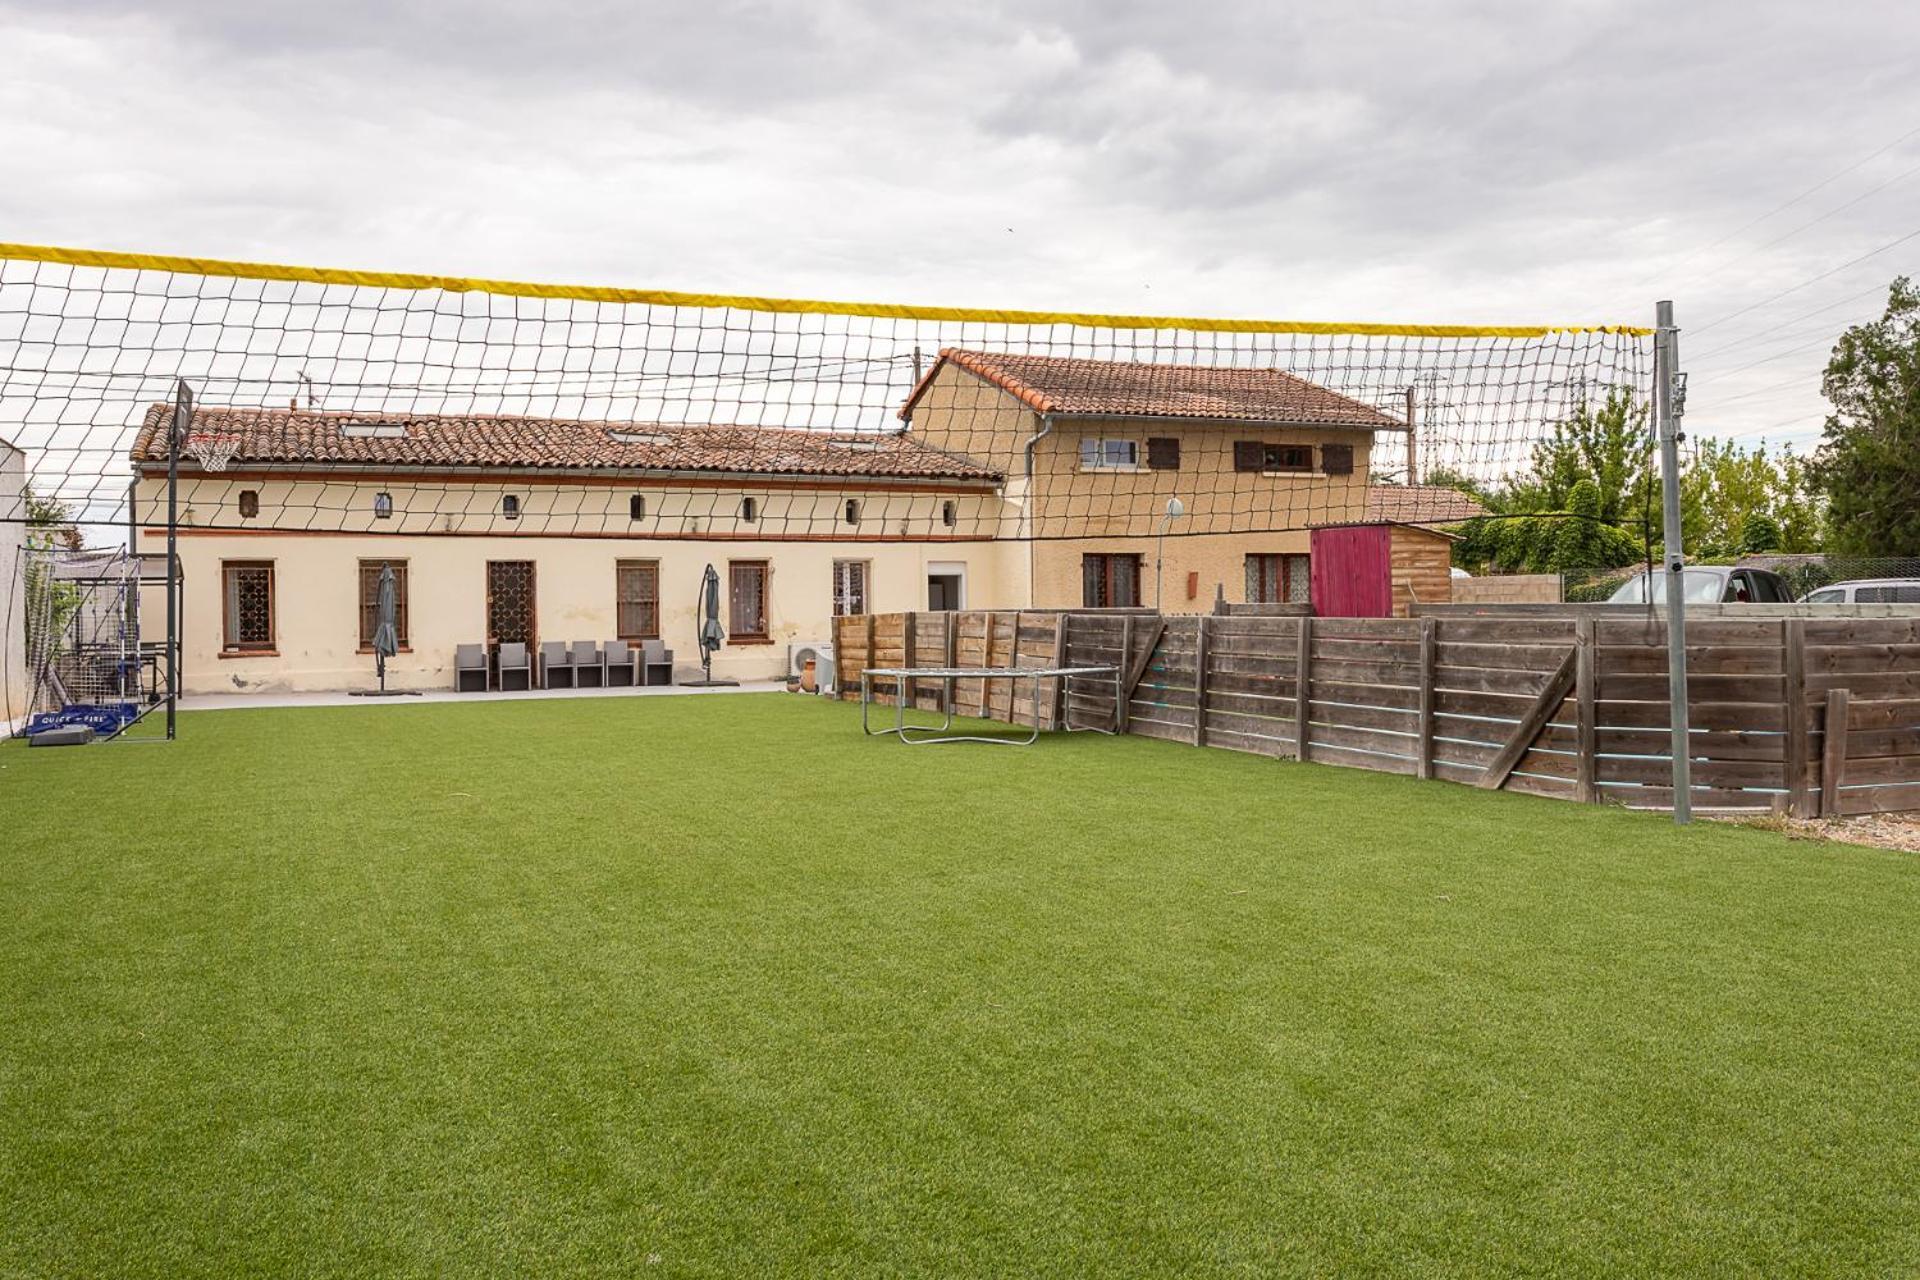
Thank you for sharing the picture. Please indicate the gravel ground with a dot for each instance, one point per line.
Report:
(1884, 830)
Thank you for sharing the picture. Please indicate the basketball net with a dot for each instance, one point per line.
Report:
(213, 449)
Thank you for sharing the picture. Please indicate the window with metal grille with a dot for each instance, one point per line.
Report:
(636, 599)
(747, 599)
(246, 605)
(510, 506)
(637, 507)
(1163, 453)
(1109, 581)
(370, 600)
(1277, 579)
(249, 503)
(1109, 455)
(849, 587)
(382, 506)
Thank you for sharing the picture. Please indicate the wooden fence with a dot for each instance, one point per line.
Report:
(1573, 706)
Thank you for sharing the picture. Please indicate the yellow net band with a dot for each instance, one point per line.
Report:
(667, 298)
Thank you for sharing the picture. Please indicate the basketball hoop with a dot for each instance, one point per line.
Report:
(213, 449)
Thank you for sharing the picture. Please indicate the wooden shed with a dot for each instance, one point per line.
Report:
(1379, 568)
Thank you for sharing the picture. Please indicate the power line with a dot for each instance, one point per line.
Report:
(1781, 207)
(1785, 236)
(1754, 364)
(1853, 262)
(1787, 324)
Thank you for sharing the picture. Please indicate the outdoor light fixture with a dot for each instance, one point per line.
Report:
(1175, 509)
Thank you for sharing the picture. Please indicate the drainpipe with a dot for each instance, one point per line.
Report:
(1026, 514)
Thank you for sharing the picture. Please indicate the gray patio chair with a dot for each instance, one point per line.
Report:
(656, 660)
(589, 668)
(556, 665)
(622, 664)
(470, 664)
(515, 662)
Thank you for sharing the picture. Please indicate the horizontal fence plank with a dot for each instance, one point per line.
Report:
(1880, 799)
(1487, 671)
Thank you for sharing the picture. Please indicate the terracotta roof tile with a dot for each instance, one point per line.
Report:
(1420, 504)
(318, 438)
(1072, 386)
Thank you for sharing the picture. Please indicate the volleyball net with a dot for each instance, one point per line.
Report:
(335, 400)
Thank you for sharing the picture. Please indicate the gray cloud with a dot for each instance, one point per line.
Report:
(1460, 161)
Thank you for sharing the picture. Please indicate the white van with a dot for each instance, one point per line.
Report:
(1867, 591)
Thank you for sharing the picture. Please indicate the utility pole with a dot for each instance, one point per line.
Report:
(182, 423)
(1413, 468)
(1666, 381)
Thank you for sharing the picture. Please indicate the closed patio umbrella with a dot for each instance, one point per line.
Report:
(386, 633)
(711, 634)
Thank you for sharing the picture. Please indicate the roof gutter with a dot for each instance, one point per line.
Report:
(469, 471)
(1197, 420)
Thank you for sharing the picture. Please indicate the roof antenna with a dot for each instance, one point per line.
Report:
(306, 382)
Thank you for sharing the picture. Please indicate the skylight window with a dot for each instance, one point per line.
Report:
(639, 437)
(361, 428)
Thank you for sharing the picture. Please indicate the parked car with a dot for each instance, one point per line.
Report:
(1708, 584)
(1867, 591)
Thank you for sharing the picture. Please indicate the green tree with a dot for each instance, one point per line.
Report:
(1725, 488)
(1608, 445)
(1868, 465)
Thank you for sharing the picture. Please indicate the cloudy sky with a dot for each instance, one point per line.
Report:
(1458, 162)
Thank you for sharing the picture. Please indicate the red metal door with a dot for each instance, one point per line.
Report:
(1352, 571)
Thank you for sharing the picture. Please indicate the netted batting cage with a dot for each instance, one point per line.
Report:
(331, 402)
(84, 666)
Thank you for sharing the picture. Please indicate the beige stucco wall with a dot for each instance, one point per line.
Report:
(963, 413)
(1219, 559)
(14, 680)
(597, 509)
(1217, 498)
(316, 577)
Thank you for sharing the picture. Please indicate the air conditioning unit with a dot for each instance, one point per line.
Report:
(818, 652)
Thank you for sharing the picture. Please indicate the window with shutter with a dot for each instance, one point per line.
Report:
(1248, 455)
(1109, 581)
(1336, 459)
(1163, 453)
(636, 599)
(370, 600)
(1286, 457)
(849, 587)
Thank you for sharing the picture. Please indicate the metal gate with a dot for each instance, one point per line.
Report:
(510, 614)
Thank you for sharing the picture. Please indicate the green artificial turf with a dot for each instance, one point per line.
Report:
(716, 986)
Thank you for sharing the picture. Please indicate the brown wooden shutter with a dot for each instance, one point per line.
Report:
(1336, 459)
(1163, 453)
(1248, 455)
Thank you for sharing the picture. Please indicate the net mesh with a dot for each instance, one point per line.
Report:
(83, 653)
(330, 401)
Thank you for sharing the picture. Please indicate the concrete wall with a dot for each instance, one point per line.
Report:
(14, 681)
(1508, 588)
(317, 620)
